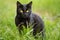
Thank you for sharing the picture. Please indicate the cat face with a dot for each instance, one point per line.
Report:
(24, 10)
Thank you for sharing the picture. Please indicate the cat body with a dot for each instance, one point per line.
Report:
(25, 17)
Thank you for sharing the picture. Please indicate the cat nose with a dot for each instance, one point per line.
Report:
(26, 14)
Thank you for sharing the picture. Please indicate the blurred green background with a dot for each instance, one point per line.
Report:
(48, 10)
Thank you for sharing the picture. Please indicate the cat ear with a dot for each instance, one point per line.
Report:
(29, 4)
(18, 3)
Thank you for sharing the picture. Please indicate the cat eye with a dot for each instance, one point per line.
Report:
(21, 11)
(27, 11)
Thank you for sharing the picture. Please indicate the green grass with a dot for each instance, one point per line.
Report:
(49, 10)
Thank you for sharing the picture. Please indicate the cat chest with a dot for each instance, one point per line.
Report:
(24, 22)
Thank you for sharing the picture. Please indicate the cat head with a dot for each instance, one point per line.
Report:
(24, 10)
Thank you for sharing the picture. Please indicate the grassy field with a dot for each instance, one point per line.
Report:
(49, 10)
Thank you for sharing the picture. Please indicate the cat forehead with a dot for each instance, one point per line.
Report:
(24, 5)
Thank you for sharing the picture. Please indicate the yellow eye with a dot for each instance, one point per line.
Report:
(27, 11)
(21, 11)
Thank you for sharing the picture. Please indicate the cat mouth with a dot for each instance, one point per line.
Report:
(24, 16)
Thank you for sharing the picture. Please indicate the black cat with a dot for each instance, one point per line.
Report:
(25, 15)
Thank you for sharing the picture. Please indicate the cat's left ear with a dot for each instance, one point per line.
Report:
(29, 4)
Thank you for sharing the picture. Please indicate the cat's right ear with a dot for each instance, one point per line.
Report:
(18, 3)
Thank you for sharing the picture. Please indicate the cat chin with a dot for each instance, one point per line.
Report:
(23, 16)
(26, 17)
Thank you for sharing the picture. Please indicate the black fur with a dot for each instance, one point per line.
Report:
(22, 18)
